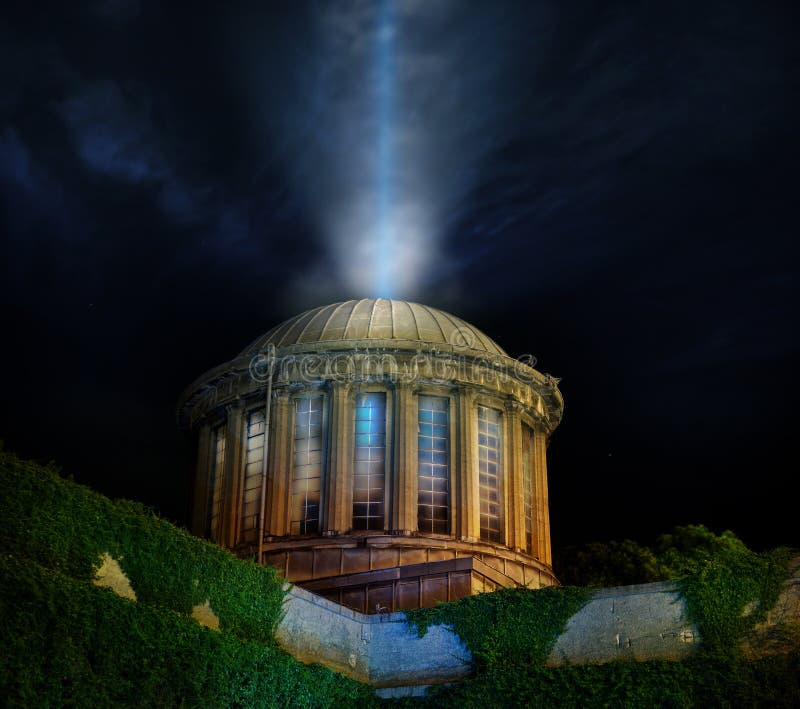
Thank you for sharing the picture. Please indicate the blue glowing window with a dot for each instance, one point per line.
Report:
(433, 502)
(369, 462)
(489, 472)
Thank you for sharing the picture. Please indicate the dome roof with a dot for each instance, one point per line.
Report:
(376, 319)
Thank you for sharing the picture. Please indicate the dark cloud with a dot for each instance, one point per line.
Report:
(113, 135)
(117, 12)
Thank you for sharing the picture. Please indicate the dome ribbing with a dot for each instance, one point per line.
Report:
(376, 319)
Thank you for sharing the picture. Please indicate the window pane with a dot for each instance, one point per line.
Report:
(369, 473)
(253, 469)
(489, 473)
(217, 480)
(433, 443)
(307, 470)
(527, 485)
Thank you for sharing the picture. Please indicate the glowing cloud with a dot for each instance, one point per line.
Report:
(381, 115)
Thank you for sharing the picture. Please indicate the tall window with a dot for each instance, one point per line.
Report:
(433, 478)
(307, 465)
(527, 485)
(370, 461)
(254, 455)
(217, 479)
(489, 470)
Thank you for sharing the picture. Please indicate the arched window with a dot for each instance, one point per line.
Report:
(434, 464)
(216, 480)
(369, 461)
(307, 465)
(489, 473)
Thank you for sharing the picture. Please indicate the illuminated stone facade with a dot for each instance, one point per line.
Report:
(397, 452)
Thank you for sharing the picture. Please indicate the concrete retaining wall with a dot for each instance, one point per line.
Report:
(645, 622)
(382, 650)
(630, 622)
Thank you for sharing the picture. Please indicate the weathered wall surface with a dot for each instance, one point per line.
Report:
(644, 622)
(630, 622)
(380, 649)
(314, 629)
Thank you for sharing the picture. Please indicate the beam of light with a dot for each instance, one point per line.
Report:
(384, 95)
(383, 128)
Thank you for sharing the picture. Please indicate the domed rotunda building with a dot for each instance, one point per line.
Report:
(383, 454)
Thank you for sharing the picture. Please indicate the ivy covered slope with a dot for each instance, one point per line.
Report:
(68, 642)
(728, 589)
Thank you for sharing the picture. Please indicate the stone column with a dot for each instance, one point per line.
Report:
(515, 495)
(404, 471)
(338, 503)
(466, 491)
(541, 510)
(279, 464)
(454, 514)
(201, 482)
(234, 469)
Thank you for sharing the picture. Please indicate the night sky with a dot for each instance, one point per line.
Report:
(611, 187)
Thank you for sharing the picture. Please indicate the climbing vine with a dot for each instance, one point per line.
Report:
(511, 627)
(730, 592)
(67, 527)
(727, 588)
(69, 643)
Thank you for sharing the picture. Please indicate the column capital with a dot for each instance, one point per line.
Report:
(281, 393)
(235, 407)
(406, 385)
(465, 391)
(513, 407)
